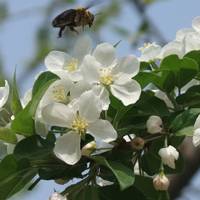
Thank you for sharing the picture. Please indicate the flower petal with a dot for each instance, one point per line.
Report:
(90, 68)
(197, 123)
(103, 95)
(196, 137)
(192, 42)
(171, 48)
(196, 24)
(128, 92)
(4, 93)
(55, 60)
(89, 106)
(67, 148)
(105, 54)
(57, 114)
(128, 65)
(182, 33)
(78, 88)
(82, 47)
(102, 130)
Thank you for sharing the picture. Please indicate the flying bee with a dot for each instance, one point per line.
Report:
(73, 18)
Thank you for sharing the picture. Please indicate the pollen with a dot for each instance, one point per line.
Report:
(72, 65)
(60, 95)
(106, 78)
(80, 125)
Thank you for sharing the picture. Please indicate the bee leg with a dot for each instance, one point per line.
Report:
(61, 31)
(73, 29)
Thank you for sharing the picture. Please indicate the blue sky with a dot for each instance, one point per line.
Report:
(17, 43)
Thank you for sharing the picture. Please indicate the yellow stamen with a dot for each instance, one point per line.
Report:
(106, 78)
(60, 95)
(80, 125)
(72, 65)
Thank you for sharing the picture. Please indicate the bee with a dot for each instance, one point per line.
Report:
(73, 18)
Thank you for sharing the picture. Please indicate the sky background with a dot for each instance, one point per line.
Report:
(17, 44)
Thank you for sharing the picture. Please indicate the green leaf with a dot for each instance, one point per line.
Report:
(150, 163)
(123, 174)
(184, 119)
(77, 192)
(187, 131)
(195, 55)
(14, 175)
(191, 98)
(16, 105)
(145, 185)
(112, 192)
(184, 69)
(7, 135)
(24, 121)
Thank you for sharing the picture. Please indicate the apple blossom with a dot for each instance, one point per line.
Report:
(169, 155)
(57, 196)
(106, 73)
(149, 52)
(154, 124)
(57, 61)
(4, 93)
(80, 118)
(196, 135)
(161, 182)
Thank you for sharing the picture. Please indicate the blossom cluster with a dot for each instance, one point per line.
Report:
(88, 80)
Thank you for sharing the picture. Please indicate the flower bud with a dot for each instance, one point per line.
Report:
(89, 148)
(169, 155)
(154, 124)
(137, 143)
(161, 182)
(57, 196)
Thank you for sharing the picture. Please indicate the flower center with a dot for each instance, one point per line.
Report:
(80, 125)
(60, 95)
(106, 78)
(72, 65)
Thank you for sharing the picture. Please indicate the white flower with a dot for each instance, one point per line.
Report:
(102, 182)
(161, 182)
(196, 24)
(57, 61)
(96, 147)
(81, 117)
(196, 135)
(161, 95)
(174, 47)
(154, 124)
(180, 34)
(169, 155)
(4, 93)
(149, 52)
(57, 196)
(107, 74)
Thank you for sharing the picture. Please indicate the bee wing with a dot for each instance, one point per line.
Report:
(93, 3)
(65, 18)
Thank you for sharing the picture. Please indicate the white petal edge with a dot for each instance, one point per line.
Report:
(196, 24)
(102, 130)
(90, 69)
(129, 65)
(4, 93)
(105, 54)
(197, 123)
(57, 114)
(67, 148)
(55, 60)
(89, 106)
(128, 93)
